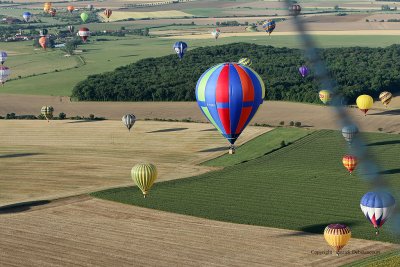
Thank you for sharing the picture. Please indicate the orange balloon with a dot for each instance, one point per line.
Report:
(70, 8)
(42, 42)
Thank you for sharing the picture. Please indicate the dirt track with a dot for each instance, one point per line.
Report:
(271, 112)
(92, 232)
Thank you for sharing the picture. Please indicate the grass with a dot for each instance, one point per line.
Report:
(388, 259)
(303, 186)
(257, 147)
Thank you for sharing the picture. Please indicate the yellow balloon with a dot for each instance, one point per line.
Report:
(337, 236)
(385, 98)
(47, 7)
(325, 96)
(144, 176)
(364, 103)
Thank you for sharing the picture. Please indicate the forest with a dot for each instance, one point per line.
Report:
(357, 70)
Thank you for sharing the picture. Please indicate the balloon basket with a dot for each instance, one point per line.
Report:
(231, 150)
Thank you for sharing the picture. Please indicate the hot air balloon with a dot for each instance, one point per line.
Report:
(43, 32)
(385, 98)
(107, 13)
(180, 48)
(229, 95)
(303, 71)
(377, 207)
(84, 17)
(4, 73)
(324, 96)
(364, 103)
(245, 61)
(90, 7)
(337, 236)
(43, 42)
(84, 33)
(52, 12)
(216, 33)
(70, 9)
(349, 132)
(47, 7)
(71, 28)
(47, 112)
(294, 10)
(269, 26)
(129, 120)
(349, 162)
(144, 176)
(27, 16)
(3, 57)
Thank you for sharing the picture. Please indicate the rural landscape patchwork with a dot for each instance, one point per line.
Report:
(200, 133)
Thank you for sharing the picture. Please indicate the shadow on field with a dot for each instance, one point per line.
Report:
(21, 207)
(209, 130)
(316, 228)
(215, 149)
(19, 155)
(392, 171)
(387, 112)
(168, 130)
(133, 55)
(80, 121)
(391, 142)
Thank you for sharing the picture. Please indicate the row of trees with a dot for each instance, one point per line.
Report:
(357, 70)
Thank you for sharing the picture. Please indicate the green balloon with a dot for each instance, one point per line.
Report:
(84, 16)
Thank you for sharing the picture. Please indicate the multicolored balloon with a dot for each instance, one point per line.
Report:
(229, 95)
(3, 57)
(385, 97)
(144, 176)
(84, 17)
(269, 26)
(325, 96)
(349, 132)
(294, 10)
(129, 120)
(27, 16)
(84, 33)
(180, 48)
(337, 236)
(47, 112)
(245, 61)
(4, 73)
(216, 33)
(350, 163)
(364, 103)
(377, 207)
(107, 13)
(303, 71)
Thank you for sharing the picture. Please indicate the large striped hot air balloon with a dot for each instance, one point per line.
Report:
(3, 57)
(364, 103)
(245, 61)
(324, 96)
(128, 120)
(229, 95)
(47, 112)
(349, 162)
(180, 49)
(107, 13)
(269, 26)
(4, 73)
(377, 207)
(385, 97)
(84, 33)
(144, 176)
(337, 236)
(349, 132)
(47, 7)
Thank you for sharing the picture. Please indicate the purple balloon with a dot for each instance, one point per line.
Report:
(303, 71)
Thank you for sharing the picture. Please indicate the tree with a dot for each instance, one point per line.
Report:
(69, 47)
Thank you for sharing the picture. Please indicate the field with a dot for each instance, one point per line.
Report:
(40, 160)
(292, 188)
(120, 15)
(391, 258)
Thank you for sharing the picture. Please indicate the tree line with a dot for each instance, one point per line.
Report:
(357, 70)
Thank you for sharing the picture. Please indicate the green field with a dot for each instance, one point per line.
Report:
(303, 186)
(103, 56)
(388, 259)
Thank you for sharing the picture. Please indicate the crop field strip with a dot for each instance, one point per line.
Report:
(301, 187)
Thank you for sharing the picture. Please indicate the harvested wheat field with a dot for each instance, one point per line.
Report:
(41, 160)
(82, 231)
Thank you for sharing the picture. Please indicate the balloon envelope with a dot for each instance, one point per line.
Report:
(349, 162)
(294, 10)
(385, 98)
(337, 236)
(364, 103)
(229, 95)
(245, 61)
(42, 42)
(4, 73)
(27, 16)
(129, 120)
(84, 17)
(144, 176)
(84, 33)
(47, 112)
(108, 13)
(70, 8)
(303, 71)
(349, 132)
(3, 57)
(324, 96)
(180, 48)
(269, 26)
